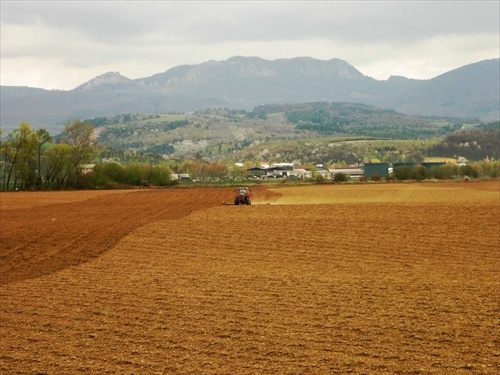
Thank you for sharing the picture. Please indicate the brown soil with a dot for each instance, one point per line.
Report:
(362, 279)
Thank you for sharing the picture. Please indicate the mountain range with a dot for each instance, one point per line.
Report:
(471, 91)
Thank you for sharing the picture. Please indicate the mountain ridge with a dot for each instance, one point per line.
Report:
(471, 91)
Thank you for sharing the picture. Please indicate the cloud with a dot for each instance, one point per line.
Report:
(80, 39)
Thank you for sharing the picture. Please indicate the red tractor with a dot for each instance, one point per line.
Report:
(242, 196)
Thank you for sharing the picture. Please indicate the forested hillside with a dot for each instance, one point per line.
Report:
(83, 156)
(473, 144)
(222, 133)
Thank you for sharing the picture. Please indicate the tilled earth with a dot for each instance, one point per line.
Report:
(330, 279)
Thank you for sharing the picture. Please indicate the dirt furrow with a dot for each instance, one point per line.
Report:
(342, 287)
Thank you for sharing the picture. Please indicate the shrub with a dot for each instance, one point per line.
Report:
(420, 173)
(491, 168)
(112, 175)
(160, 176)
(319, 179)
(134, 175)
(106, 175)
(340, 177)
(470, 170)
(444, 172)
(402, 173)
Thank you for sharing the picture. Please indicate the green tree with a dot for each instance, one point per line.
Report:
(80, 137)
(56, 166)
(18, 153)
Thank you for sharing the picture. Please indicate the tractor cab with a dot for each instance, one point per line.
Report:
(242, 196)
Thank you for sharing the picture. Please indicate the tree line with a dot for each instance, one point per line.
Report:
(29, 160)
(35, 160)
(447, 171)
(32, 159)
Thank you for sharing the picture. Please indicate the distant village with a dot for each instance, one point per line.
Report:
(291, 171)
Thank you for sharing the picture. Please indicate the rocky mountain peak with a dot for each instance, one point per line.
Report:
(470, 91)
(106, 78)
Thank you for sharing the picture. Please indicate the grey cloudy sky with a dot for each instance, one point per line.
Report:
(61, 44)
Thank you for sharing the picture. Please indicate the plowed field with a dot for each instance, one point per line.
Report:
(337, 279)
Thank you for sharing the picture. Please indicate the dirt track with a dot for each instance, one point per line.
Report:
(375, 279)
